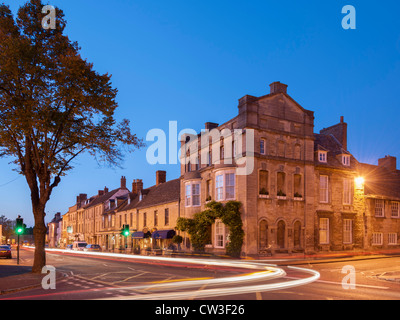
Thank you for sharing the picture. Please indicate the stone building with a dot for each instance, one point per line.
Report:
(54, 231)
(381, 210)
(151, 214)
(277, 195)
(300, 191)
(93, 219)
(304, 192)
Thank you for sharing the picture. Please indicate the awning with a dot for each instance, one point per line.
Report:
(163, 234)
(138, 235)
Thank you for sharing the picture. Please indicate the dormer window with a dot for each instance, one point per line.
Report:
(322, 156)
(346, 159)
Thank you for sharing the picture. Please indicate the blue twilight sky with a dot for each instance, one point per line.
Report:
(190, 62)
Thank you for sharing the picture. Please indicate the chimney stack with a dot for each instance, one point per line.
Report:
(123, 182)
(161, 177)
(277, 87)
(339, 131)
(388, 162)
(211, 125)
(137, 186)
(82, 197)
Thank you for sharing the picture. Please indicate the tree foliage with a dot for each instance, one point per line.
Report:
(53, 106)
(199, 228)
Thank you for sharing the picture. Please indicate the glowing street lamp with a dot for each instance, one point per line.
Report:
(359, 181)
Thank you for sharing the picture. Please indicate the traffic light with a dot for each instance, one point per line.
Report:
(125, 230)
(20, 226)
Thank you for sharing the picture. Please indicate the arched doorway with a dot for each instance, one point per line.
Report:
(263, 235)
(281, 234)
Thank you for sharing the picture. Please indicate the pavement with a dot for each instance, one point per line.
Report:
(19, 277)
(15, 277)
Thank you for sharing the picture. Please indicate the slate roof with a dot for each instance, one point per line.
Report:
(163, 193)
(334, 148)
(102, 198)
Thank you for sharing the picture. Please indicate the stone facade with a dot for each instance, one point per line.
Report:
(300, 191)
(300, 196)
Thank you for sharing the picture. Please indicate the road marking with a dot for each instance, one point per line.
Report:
(180, 280)
(135, 276)
(258, 296)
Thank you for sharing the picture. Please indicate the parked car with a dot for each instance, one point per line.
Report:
(92, 247)
(5, 252)
(69, 247)
(79, 245)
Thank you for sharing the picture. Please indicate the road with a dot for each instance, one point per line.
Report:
(116, 277)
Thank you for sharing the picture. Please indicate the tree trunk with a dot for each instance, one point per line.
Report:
(39, 232)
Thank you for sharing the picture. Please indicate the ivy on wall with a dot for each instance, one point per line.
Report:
(199, 228)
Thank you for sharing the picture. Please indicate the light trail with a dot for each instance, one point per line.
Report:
(218, 292)
(268, 272)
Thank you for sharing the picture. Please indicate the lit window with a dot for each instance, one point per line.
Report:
(324, 230)
(221, 234)
(322, 156)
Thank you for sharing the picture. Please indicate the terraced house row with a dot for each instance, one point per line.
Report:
(306, 191)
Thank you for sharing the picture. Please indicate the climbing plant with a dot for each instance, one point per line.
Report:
(199, 228)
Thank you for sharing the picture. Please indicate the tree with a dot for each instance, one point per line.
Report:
(53, 107)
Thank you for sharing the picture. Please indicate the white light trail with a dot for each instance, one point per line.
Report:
(268, 272)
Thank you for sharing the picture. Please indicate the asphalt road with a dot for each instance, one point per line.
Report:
(122, 279)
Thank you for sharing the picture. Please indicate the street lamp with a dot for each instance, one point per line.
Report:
(359, 181)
